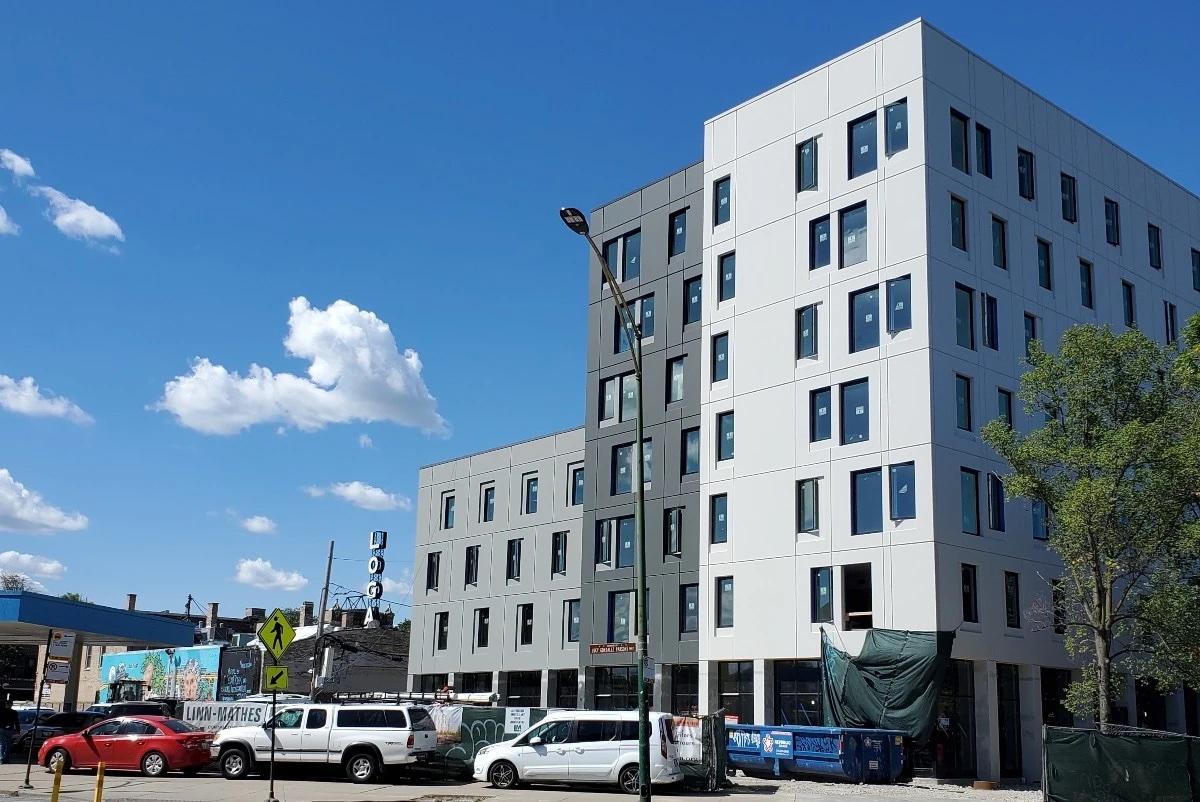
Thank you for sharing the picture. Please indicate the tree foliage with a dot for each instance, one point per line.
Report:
(76, 597)
(1117, 464)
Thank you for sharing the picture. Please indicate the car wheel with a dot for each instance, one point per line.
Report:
(154, 764)
(503, 774)
(628, 779)
(57, 756)
(362, 767)
(235, 764)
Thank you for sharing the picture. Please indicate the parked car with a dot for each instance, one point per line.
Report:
(583, 747)
(57, 724)
(363, 738)
(152, 745)
(26, 716)
(115, 709)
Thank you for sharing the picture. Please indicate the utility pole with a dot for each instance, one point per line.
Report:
(318, 665)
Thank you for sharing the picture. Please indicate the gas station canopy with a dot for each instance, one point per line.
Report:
(28, 618)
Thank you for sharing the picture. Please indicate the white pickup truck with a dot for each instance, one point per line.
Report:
(363, 738)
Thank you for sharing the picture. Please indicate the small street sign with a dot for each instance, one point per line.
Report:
(612, 648)
(58, 673)
(62, 645)
(276, 634)
(276, 678)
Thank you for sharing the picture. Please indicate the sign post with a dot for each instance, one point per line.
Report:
(60, 647)
(275, 634)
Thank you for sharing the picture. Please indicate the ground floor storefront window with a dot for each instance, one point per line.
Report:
(616, 688)
(474, 682)
(735, 689)
(798, 692)
(950, 751)
(1008, 708)
(566, 688)
(431, 683)
(685, 689)
(524, 689)
(1055, 682)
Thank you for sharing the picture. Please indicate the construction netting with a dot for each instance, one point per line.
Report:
(1087, 765)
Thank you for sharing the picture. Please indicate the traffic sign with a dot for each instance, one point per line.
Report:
(276, 634)
(277, 679)
(62, 645)
(58, 673)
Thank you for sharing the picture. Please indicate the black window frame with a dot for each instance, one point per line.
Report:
(963, 412)
(683, 451)
(812, 341)
(960, 137)
(723, 621)
(512, 560)
(1129, 304)
(907, 472)
(725, 440)
(1000, 254)
(990, 309)
(961, 291)
(689, 621)
(525, 634)
(1012, 600)
(816, 251)
(726, 279)
(866, 249)
(847, 437)
(433, 570)
(1154, 245)
(803, 183)
(983, 150)
(965, 473)
(895, 132)
(873, 145)
(856, 524)
(1087, 284)
(441, 628)
(1112, 222)
(722, 214)
(1045, 265)
(868, 331)
(1026, 180)
(693, 310)
(1004, 406)
(578, 492)
(995, 495)
(676, 240)
(814, 418)
(1070, 197)
(718, 518)
(471, 565)
(958, 228)
(717, 353)
(969, 578)
(808, 505)
(820, 578)
(558, 552)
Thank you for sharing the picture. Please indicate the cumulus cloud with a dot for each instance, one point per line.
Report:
(7, 226)
(361, 494)
(25, 398)
(18, 165)
(355, 373)
(365, 441)
(24, 510)
(258, 524)
(259, 573)
(16, 562)
(77, 219)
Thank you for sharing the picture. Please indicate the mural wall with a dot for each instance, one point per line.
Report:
(185, 673)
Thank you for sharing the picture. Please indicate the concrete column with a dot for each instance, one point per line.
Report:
(707, 686)
(501, 682)
(496, 687)
(764, 691)
(987, 721)
(1030, 690)
(584, 678)
(546, 693)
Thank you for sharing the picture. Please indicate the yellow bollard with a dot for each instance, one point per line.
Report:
(57, 782)
(99, 797)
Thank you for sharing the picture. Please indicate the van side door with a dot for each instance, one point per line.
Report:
(596, 749)
(314, 737)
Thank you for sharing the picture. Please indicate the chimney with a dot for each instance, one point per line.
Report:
(306, 614)
(131, 601)
(210, 621)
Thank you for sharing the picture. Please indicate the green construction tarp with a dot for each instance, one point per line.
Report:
(893, 684)
(1086, 766)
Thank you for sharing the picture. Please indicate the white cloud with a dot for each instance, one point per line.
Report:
(7, 226)
(77, 219)
(260, 573)
(23, 397)
(365, 441)
(396, 589)
(15, 562)
(23, 510)
(18, 165)
(258, 524)
(361, 494)
(355, 373)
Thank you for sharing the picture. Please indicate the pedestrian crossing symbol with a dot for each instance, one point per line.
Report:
(276, 634)
(277, 679)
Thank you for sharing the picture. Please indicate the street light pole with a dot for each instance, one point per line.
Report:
(575, 220)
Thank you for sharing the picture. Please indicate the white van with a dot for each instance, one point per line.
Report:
(582, 746)
(363, 738)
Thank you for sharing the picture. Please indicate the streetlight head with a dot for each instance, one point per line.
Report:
(574, 220)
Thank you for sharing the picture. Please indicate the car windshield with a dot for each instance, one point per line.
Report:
(420, 719)
(175, 725)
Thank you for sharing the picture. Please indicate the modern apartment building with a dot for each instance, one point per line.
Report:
(866, 252)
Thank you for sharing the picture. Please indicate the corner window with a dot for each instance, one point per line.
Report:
(806, 165)
(899, 301)
(958, 223)
(718, 523)
(864, 319)
(1128, 305)
(1045, 267)
(819, 415)
(969, 496)
(958, 141)
(677, 233)
(722, 201)
(962, 401)
(691, 452)
(807, 512)
(862, 145)
(818, 243)
(1086, 296)
(691, 301)
(724, 601)
(726, 268)
(856, 414)
(866, 501)
(995, 503)
(1154, 237)
(970, 597)
(724, 436)
(821, 585)
(853, 225)
(1012, 600)
(999, 243)
(903, 491)
(1070, 198)
(983, 150)
(720, 357)
(676, 374)
(964, 316)
(1025, 174)
(895, 121)
(1112, 222)
(806, 332)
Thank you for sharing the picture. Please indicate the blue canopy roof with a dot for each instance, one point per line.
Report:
(27, 617)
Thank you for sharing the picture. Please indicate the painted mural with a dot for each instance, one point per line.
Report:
(186, 673)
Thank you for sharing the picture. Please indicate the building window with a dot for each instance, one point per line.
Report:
(1012, 600)
(899, 300)
(578, 486)
(1030, 334)
(1086, 294)
(616, 688)
(1171, 322)
(806, 332)
(983, 150)
(727, 272)
(524, 624)
(798, 692)
(808, 517)
(852, 223)
(970, 594)
(571, 620)
(819, 417)
(902, 482)
(442, 627)
(433, 569)
(689, 608)
(558, 553)
(1058, 613)
(724, 436)
(724, 601)
(958, 141)
(864, 319)
(995, 503)
(643, 315)
(626, 542)
(958, 223)
(862, 145)
(857, 604)
(691, 300)
(718, 523)
(735, 689)
(624, 254)
(895, 121)
(720, 357)
(806, 165)
(866, 501)
(991, 322)
(448, 511)
(604, 538)
(1112, 222)
(1045, 268)
(969, 495)
(471, 566)
(482, 619)
(856, 415)
(964, 316)
(673, 532)
(1195, 270)
(512, 571)
(722, 201)
(1154, 237)
(962, 401)
(999, 243)
(647, 460)
(622, 469)
(675, 378)
(1004, 401)
(620, 616)
(487, 503)
(1128, 304)
(818, 243)
(609, 392)
(691, 452)
(1025, 174)
(820, 582)
(677, 236)
(1070, 198)
(1041, 521)
(531, 495)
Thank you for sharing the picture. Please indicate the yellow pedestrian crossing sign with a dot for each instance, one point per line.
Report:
(276, 634)
(277, 679)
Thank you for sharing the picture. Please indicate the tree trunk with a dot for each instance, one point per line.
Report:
(1103, 681)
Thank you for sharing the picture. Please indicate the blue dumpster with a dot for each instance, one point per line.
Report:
(873, 756)
(882, 755)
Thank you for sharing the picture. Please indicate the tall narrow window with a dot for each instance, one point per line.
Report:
(689, 608)
(433, 562)
(677, 233)
(720, 357)
(958, 142)
(1195, 270)
(612, 257)
(853, 225)
(1045, 267)
(862, 145)
(1004, 400)
(999, 243)
(442, 623)
(958, 223)
(558, 553)
(819, 415)
(718, 523)
(806, 165)
(448, 511)
(864, 319)
(866, 501)
(995, 502)
(806, 332)
(1070, 198)
(983, 150)
(807, 512)
(1012, 600)
(1171, 322)
(609, 396)
(1154, 237)
(531, 495)
(691, 301)
(991, 322)
(578, 486)
(604, 541)
(620, 616)
(471, 566)
(969, 495)
(631, 255)
(626, 542)
(722, 201)
(673, 531)
(524, 624)
(724, 436)
(818, 243)
(676, 374)
(629, 396)
(724, 601)
(821, 584)
(726, 267)
(1058, 611)
(903, 491)
(1025, 174)
(622, 469)
(571, 620)
(1031, 334)
(1128, 304)
(962, 401)
(856, 413)
(1086, 294)
(487, 504)
(690, 456)
(899, 301)
(895, 120)
(1041, 520)
(512, 571)
(970, 597)
(1112, 222)
(964, 316)
(483, 617)
(647, 472)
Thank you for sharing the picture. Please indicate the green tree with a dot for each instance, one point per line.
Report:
(1117, 465)
(292, 614)
(76, 597)
(14, 582)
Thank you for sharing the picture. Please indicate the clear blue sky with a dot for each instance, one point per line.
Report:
(409, 159)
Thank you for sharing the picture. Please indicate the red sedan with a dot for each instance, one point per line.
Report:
(152, 745)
